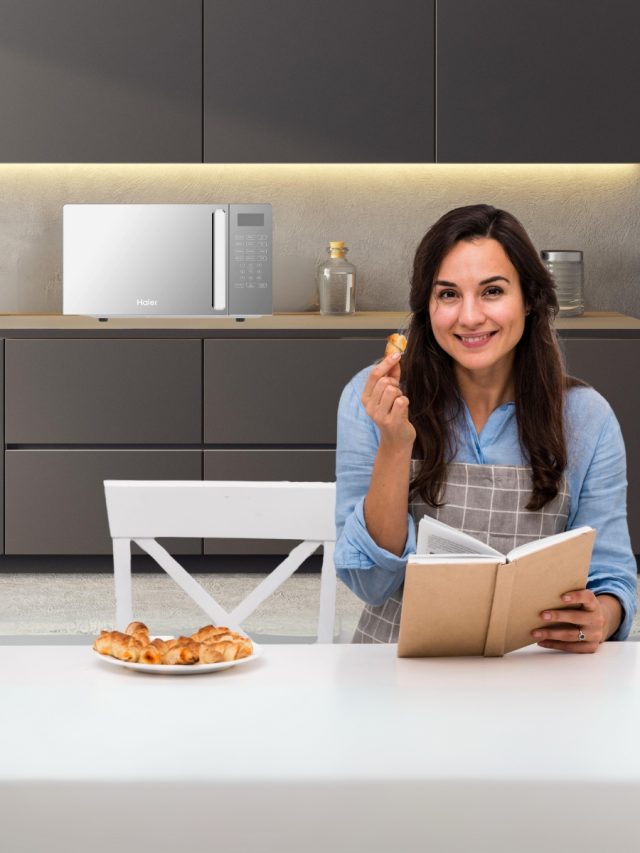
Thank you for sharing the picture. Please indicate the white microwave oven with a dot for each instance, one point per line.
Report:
(167, 260)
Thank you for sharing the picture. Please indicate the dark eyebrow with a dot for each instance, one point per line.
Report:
(480, 283)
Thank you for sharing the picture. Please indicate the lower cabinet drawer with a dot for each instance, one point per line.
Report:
(292, 465)
(279, 392)
(54, 499)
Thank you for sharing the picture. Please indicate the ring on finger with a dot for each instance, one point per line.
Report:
(581, 635)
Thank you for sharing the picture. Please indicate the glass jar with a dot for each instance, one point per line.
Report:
(567, 271)
(336, 279)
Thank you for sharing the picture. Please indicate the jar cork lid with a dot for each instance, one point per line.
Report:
(337, 244)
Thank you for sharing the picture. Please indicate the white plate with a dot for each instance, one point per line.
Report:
(180, 668)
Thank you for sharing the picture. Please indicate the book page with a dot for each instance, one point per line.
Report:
(454, 559)
(546, 542)
(437, 538)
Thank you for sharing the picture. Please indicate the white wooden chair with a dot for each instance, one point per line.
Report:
(141, 510)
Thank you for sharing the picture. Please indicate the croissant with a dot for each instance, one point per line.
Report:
(395, 343)
(139, 631)
(102, 643)
(124, 647)
(217, 644)
(221, 638)
(244, 649)
(209, 632)
(177, 641)
(150, 654)
(134, 627)
(178, 654)
(161, 645)
(217, 652)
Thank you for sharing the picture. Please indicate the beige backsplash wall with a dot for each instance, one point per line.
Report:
(381, 211)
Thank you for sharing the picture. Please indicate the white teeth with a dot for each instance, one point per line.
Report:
(477, 338)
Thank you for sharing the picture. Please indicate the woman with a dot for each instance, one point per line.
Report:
(480, 427)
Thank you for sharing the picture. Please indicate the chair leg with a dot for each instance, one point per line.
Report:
(122, 578)
(328, 583)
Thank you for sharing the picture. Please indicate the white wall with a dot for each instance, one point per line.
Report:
(381, 211)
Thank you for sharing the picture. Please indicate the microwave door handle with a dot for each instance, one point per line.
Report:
(219, 259)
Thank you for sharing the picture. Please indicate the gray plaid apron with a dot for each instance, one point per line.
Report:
(486, 501)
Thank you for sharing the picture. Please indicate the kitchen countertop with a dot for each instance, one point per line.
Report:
(322, 748)
(361, 324)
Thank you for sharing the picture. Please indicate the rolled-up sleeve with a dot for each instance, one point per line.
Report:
(371, 572)
(602, 504)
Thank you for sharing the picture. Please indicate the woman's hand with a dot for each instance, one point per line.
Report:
(598, 618)
(386, 405)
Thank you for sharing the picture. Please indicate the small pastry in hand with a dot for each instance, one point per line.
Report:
(395, 343)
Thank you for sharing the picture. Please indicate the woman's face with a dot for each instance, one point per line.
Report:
(477, 308)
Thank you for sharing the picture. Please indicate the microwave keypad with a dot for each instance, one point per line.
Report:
(251, 255)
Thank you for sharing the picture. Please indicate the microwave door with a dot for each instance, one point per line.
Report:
(189, 249)
(139, 260)
(175, 254)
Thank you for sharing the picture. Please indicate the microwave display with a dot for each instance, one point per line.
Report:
(253, 219)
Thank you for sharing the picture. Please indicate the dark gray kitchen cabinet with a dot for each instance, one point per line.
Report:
(320, 81)
(537, 81)
(293, 465)
(223, 403)
(282, 392)
(78, 392)
(611, 367)
(101, 81)
(55, 498)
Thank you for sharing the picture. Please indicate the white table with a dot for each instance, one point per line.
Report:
(322, 749)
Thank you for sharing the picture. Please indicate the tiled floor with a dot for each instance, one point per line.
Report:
(83, 604)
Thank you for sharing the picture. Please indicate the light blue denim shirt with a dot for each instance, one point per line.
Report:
(596, 475)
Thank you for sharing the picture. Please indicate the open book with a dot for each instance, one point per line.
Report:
(462, 597)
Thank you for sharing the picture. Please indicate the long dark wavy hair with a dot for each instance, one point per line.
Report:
(539, 375)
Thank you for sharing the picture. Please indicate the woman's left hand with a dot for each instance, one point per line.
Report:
(597, 618)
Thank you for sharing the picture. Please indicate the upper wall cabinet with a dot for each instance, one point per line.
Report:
(319, 81)
(537, 81)
(97, 81)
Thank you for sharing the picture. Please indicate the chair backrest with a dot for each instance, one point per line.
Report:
(220, 508)
(143, 510)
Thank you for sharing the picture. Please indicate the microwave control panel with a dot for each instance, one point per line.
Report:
(250, 259)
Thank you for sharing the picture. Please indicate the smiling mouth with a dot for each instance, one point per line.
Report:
(475, 339)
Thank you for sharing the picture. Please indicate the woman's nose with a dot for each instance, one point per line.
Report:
(471, 312)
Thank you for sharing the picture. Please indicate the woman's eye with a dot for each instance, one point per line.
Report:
(493, 291)
(447, 295)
